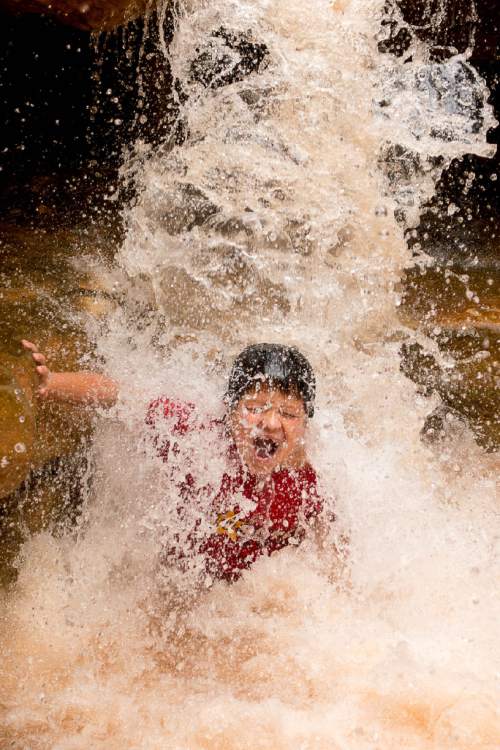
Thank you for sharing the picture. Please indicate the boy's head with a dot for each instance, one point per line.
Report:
(270, 396)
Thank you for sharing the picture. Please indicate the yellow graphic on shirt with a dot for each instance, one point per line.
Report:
(229, 524)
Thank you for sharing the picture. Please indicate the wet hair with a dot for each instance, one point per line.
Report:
(281, 367)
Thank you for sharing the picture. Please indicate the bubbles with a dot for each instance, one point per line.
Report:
(20, 448)
(435, 112)
(266, 225)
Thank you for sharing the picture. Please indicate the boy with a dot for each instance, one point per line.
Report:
(268, 495)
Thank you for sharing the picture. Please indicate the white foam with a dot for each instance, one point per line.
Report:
(102, 647)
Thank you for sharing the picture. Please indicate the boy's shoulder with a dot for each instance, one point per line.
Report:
(179, 416)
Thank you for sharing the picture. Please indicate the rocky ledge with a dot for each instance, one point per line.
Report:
(89, 15)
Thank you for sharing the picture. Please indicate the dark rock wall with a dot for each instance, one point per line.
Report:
(94, 15)
(72, 102)
(462, 241)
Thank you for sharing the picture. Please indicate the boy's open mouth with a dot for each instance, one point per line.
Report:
(265, 447)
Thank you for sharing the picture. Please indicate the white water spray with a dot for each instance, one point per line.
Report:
(272, 222)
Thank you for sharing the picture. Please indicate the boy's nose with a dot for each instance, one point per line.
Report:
(271, 420)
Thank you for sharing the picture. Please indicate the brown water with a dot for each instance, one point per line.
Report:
(459, 311)
(48, 292)
(289, 237)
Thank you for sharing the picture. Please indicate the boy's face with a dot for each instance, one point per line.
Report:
(268, 427)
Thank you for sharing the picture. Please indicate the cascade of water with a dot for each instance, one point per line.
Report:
(274, 221)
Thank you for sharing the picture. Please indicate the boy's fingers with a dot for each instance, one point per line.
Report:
(43, 372)
(28, 345)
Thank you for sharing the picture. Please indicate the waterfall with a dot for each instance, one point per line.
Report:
(275, 220)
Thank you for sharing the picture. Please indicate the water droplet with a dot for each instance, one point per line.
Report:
(20, 448)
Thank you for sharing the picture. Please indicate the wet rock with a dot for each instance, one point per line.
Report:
(442, 425)
(450, 295)
(228, 57)
(17, 422)
(181, 207)
(459, 310)
(466, 375)
(50, 497)
(91, 15)
(447, 26)
(44, 293)
(32, 433)
(48, 287)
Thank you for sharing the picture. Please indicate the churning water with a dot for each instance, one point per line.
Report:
(274, 222)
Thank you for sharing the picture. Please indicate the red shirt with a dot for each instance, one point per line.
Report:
(281, 506)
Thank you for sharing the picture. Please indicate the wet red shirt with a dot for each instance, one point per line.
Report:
(282, 506)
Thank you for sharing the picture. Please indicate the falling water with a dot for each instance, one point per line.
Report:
(274, 221)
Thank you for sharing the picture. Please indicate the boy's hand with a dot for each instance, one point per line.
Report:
(41, 367)
(84, 388)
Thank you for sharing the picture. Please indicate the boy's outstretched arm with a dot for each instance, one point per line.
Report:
(83, 387)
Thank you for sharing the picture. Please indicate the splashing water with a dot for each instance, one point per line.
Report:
(272, 222)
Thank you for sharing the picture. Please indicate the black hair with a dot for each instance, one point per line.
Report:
(282, 367)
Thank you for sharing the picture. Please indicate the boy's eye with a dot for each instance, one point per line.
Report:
(254, 409)
(285, 413)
